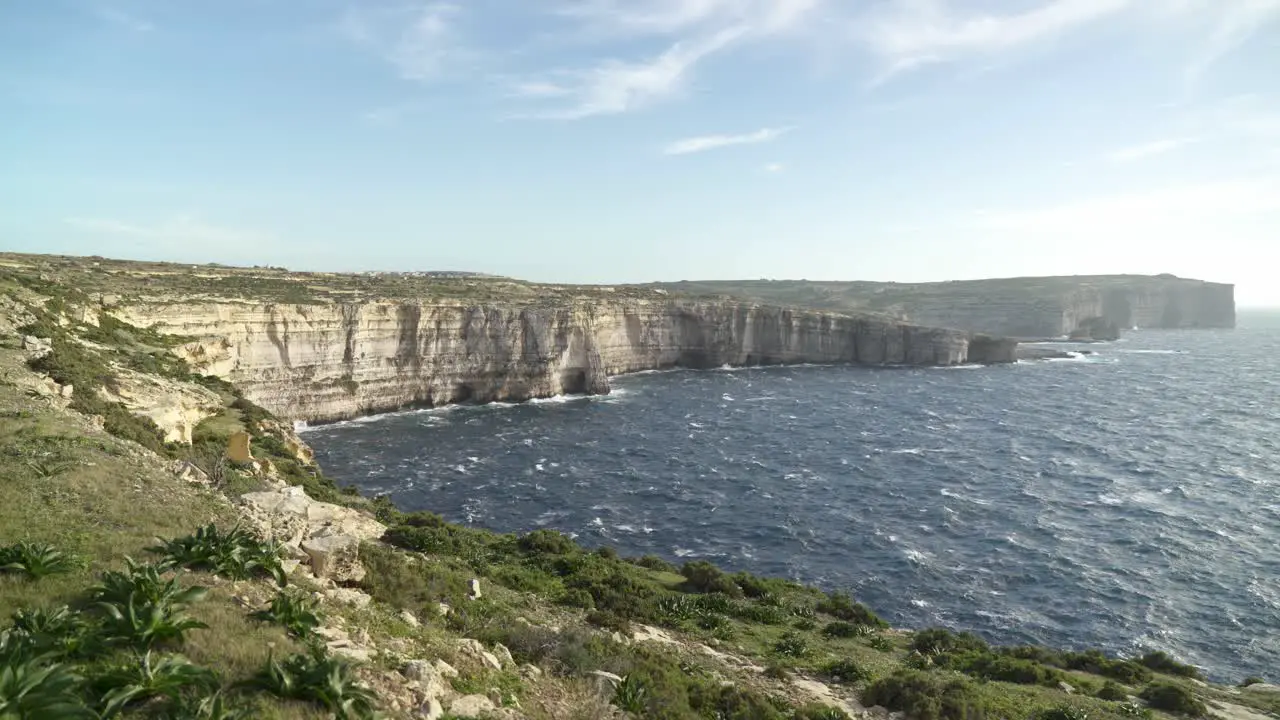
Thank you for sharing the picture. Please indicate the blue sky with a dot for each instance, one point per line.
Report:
(636, 140)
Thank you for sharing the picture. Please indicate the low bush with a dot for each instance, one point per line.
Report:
(326, 681)
(36, 688)
(141, 623)
(547, 542)
(846, 671)
(926, 696)
(1161, 662)
(733, 703)
(391, 578)
(631, 695)
(703, 577)
(35, 560)
(842, 629)
(1173, 698)
(234, 554)
(141, 678)
(1097, 663)
(881, 643)
(1063, 712)
(791, 644)
(763, 614)
(842, 607)
(296, 613)
(990, 666)
(59, 633)
(1112, 691)
(941, 640)
(653, 562)
(820, 712)
(1252, 680)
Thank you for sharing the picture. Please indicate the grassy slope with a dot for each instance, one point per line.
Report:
(64, 481)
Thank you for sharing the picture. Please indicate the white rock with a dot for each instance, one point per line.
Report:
(445, 669)
(471, 706)
(530, 672)
(348, 596)
(444, 609)
(431, 710)
(357, 654)
(409, 619)
(605, 683)
(474, 594)
(427, 678)
(336, 557)
(1067, 687)
(504, 655)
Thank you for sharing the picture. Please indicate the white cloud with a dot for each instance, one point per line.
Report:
(419, 41)
(125, 20)
(1148, 149)
(711, 142)
(616, 87)
(540, 89)
(774, 168)
(664, 17)
(179, 230)
(1240, 20)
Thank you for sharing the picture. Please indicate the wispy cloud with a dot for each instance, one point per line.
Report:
(120, 18)
(1148, 149)
(174, 231)
(663, 17)
(711, 142)
(616, 87)
(774, 168)
(420, 41)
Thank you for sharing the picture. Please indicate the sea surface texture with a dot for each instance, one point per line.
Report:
(1128, 500)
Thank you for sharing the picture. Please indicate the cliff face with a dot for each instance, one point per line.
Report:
(335, 361)
(1087, 306)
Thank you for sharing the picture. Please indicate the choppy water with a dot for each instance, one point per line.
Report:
(1129, 500)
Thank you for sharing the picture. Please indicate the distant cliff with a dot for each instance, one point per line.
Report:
(332, 361)
(1084, 306)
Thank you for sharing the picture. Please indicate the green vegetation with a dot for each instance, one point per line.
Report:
(318, 678)
(34, 560)
(1173, 698)
(234, 554)
(926, 696)
(298, 615)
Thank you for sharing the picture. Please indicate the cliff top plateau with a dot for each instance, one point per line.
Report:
(170, 549)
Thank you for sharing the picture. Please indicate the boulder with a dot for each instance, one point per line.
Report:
(604, 683)
(504, 655)
(409, 619)
(335, 556)
(445, 669)
(474, 650)
(38, 347)
(430, 710)
(472, 706)
(348, 596)
(474, 593)
(427, 679)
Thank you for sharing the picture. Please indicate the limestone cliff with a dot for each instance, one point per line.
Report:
(1085, 306)
(331, 361)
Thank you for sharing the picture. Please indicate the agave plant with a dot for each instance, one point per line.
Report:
(234, 554)
(60, 632)
(35, 560)
(296, 613)
(142, 624)
(631, 695)
(144, 679)
(210, 707)
(321, 679)
(33, 687)
(145, 582)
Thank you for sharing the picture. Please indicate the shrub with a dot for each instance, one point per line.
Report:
(143, 624)
(926, 696)
(653, 562)
(846, 671)
(988, 666)
(820, 712)
(234, 554)
(35, 560)
(941, 640)
(207, 707)
(1112, 691)
(758, 587)
(298, 614)
(326, 681)
(842, 607)
(791, 644)
(1133, 710)
(714, 603)
(58, 633)
(842, 629)
(732, 703)
(547, 542)
(777, 672)
(703, 577)
(630, 695)
(609, 621)
(391, 578)
(141, 679)
(1161, 662)
(763, 614)
(33, 688)
(1095, 662)
(804, 625)
(1252, 680)
(881, 643)
(1063, 712)
(1173, 698)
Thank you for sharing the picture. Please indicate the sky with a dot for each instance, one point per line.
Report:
(620, 141)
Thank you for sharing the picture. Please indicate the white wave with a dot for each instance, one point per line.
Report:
(624, 528)
(1110, 499)
(459, 468)
(727, 397)
(597, 522)
(967, 366)
(684, 552)
(920, 603)
(1153, 352)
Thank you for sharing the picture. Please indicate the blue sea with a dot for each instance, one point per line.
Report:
(1128, 499)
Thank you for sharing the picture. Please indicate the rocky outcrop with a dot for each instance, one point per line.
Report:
(175, 407)
(326, 536)
(334, 361)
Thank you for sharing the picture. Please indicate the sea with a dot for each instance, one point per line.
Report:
(1127, 499)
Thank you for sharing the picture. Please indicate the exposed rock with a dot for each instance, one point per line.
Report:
(1231, 711)
(37, 347)
(430, 710)
(474, 650)
(474, 592)
(334, 556)
(445, 668)
(604, 683)
(1067, 687)
(648, 633)
(822, 693)
(66, 391)
(338, 360)
(238, 450)
(530, 672)
(189, 472)
(175, 407)
(504, 655)
(472, 706)
(1262, 688)
(443, 609)
(348, 596)
(427, 679)
(409, 619)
